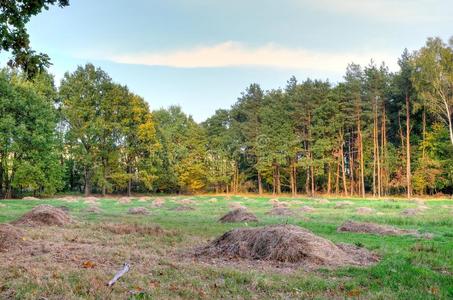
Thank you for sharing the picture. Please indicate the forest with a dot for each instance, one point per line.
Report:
(375, 133)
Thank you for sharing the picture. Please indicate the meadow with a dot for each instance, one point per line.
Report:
(75, 261)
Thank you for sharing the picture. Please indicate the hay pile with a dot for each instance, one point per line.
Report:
(124, 200)
(10, 237)
(138, 211)
(342, 204)
(93, 209)
(365, 211)
(238, 215)
(360, 227)
(212, 200)
(307, 209)
(236, 205)
(158, 202)
(280, 211)
(44, 215)
(30, 198)
(187, 201)
(413, 211)
(323, 201)
(69, 198)
(183, 208)
(134, 229)
(285, 244)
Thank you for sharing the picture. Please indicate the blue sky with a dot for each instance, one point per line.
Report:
(201, 54)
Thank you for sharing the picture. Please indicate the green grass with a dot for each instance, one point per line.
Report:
(410, 267)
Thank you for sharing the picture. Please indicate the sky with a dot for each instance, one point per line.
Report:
(201, 54)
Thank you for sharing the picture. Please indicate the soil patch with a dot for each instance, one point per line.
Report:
(44, 215)
(280, 211)
(134, 229)
(138, 211)
(285, 244)
(238, 215)
(361, 227)
(11, 237)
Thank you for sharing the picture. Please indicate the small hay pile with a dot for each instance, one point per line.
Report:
(238, 215)
(93, 209)
(409, 212)
(307, 209)
(361, 227)
(187, 202)
(10, 237)
(280, 211)
(365, 211)
(124, 200)
(323, 201)
(138, 211)
(183, 208)
(143, 199)
(158, 202)
(44, 215)
(212, 200)
(236, 205)
(285, 244)
(30, 198)
(342, 204)
(69, 198)
(154, 230)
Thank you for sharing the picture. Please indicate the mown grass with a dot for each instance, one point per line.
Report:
(410, 268)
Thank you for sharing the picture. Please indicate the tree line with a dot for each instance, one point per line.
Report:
(374, 133)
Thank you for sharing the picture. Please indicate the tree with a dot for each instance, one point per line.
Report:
(13, 33)
(433, 79)
(29, 152)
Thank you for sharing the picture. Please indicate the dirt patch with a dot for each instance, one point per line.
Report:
(238, 215)
(138, 211)
(360, 227)
(11, 237)
(154, 230)
(342, 204)
(183, 208)
(307, 209)
(280, 211)
(44, 215)
(365, 211)
(285, 244)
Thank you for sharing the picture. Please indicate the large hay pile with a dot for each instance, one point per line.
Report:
(44, 215)
(361, 227)
(138, 211)
(238, 215)
(10, 237)
(285, 244)
(280, 211)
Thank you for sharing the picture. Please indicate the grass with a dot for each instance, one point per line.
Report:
(410, 268)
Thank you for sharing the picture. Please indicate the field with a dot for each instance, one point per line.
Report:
(76, 260)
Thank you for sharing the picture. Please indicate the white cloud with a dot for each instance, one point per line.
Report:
(233, 54)
(399, 11)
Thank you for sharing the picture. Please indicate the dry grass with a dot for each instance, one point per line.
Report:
(154, 230)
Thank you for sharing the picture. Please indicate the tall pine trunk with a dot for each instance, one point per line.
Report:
(408, 150)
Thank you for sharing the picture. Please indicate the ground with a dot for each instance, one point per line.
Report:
(75, 261)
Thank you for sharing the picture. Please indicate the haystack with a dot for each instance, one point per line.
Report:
(93, 209)
(236, 205)
(68, 198)
(323, 201)
(212, 200)
(138, 211)
(280, 211)
(43, 215)
(285, 244)
(10, 237)
(365, 211)
(30, 198)
(124, 200)
(361, 227)
(238, 215)
(412, 211)
(158, 202)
